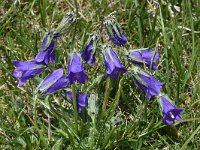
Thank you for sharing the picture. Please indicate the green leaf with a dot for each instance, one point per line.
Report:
(58, 144)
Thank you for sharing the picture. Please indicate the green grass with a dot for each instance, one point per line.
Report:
(33, 121)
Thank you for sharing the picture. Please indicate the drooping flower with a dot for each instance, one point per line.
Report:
(64, 26)
(54, 82)
(170, 111)
(147, 83)
(47, 52)
(89, 50)
(112, 63)
(82, 99)
(114, 32)
(75, 69)
(26, 70)
(146, 57)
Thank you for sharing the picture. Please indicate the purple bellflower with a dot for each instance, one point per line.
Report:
(54, 82)
(47, 52)
(82, 99)
(26, 70)
(89, 50)
(146, 57)
(114, 32)
(75, 69)
(170, 112)
(112, 63)
(147, 83)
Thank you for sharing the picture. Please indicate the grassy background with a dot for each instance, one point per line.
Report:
(47, 125)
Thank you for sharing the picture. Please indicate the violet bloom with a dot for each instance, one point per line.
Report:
(54, 82)
(82, 99)
(170, 112)
(146, 57)
(114, 32)
(26, 70)
(47, 52)
(112, 63)
(75, 69)
(89, 50)
(148, 84)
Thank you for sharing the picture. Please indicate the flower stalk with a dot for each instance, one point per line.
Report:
(35, 121)
(116, 100)
(106, 96)
(75, 108)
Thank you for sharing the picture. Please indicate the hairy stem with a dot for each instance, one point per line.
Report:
(106, 96)
(75, 108)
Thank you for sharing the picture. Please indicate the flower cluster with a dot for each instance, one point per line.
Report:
(150, 86)
(56, 80)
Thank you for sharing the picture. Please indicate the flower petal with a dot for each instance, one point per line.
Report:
(52, 78)
(59, 84)
(76, 70)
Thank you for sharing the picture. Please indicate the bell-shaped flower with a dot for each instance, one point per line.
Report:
(76, 69)
(112, 63)
(114, 32)
(47, 52)
(147, 83)
(144, 57)
(89, 50)
(54, 82)
(82, 99)
(26, 70)
(170, 111)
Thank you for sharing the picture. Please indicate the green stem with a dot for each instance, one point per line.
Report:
(116, 100)
(35, 122)
(106, 96)
(34, 111)
(76, 6)
(76, 11)
(139, 23)
(165, 51)
(75, 108)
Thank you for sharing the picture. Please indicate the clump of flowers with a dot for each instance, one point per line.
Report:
(113, 64)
